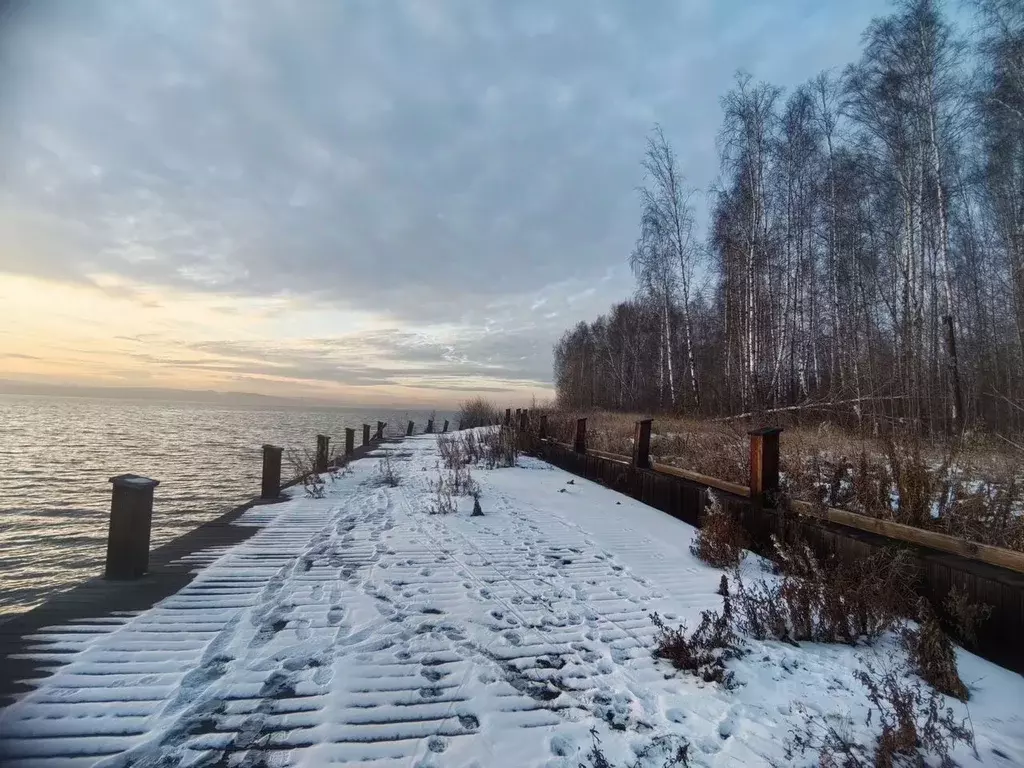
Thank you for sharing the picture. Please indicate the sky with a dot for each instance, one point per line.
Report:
(366, 201)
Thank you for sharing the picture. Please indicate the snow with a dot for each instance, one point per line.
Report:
(358, 629)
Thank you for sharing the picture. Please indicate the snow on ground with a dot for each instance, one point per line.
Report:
(358, 629)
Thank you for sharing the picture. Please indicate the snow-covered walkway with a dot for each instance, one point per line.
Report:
(358, 629)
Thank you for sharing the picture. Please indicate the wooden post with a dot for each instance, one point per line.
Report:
(542, 430)
(131, 518)
(350, 441)
(508, 416)
(366, 434)
(322, 444)
(445, 426)
(580, 446)
(380, 430)
(642, 444)
(524, 420)
(409, 430)
(764, 465)
(271, 485)
(460, 425)
(430, 426)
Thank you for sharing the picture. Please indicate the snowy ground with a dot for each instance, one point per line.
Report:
(360, 629)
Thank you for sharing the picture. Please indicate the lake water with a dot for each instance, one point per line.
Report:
(57, 456)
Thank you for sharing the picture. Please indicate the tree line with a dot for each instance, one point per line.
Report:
(864, 248)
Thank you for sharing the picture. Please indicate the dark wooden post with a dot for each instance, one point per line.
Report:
(508, 416)
(642, 444)
(580, 445)
(322, 444)
(542, 430)
(409, 430)
(524, 420)
(460, 425)
(380, 430)
(445, 426)
(271, 486)
(764, 465)
(430, 426)
(350, 441)
(131, 517)
(366, 434)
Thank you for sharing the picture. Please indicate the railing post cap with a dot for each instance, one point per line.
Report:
(271, 447)
(644, 421)
(764, 431)
(134, 482)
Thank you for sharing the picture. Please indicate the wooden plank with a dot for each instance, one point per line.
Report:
(618, 458)
(1004, 558)
(697, 477)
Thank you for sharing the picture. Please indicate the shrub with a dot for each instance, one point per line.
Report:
(704, 652)
(477, 412)
(304, 465)
(840, 602)
(499, 447)
(443, 502)
(965, 616)
(452, 450)
(933, 655)
(387, 472)
(721, 539)
(911, 720)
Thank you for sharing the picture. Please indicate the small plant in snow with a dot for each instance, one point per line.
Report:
(721, 539)
(932, 654)
(443, 502)
(387, 472)
(704, 652)
(304, 465)
(477, 512)
(909, 720)
(451, 449)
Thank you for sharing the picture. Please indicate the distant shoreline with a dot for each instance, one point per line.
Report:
(195, 397)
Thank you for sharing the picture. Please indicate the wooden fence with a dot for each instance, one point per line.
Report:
(989, 575)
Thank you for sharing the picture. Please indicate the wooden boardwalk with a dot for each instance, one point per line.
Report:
(172, 567)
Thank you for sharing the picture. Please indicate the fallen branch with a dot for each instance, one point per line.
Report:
(810, 406)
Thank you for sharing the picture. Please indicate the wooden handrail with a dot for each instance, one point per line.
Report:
(998, 556)
(943, 542)
(610, 456)
(712, 482)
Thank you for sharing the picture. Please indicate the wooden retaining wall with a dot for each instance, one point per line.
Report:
(1000, 637)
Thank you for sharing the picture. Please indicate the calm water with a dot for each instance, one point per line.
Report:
(57, 456)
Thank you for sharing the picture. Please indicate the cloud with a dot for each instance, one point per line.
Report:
(469, 164)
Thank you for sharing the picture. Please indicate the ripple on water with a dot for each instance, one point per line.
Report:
(59, 454)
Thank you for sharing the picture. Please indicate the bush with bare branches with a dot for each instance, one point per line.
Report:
(838, 602)
(932, 653)
(304, 466)
(721, 539)
(911, 720)
(477, 412)
(703, 652)
(387, 471)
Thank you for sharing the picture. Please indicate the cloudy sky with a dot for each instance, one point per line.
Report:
(365, 200)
